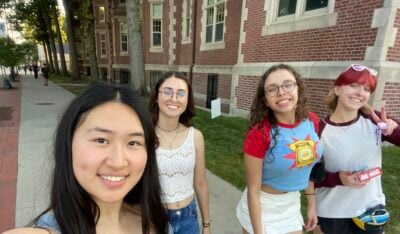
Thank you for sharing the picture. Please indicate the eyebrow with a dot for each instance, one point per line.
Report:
(104, 130)
(284, 81)
(173, 89)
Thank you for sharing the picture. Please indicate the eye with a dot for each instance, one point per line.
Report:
(101, 141)
(135, 143)
(181, 93)
(271, 89)
(367, 89)
(288, 85)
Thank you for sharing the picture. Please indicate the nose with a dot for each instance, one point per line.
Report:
(174, 97)
(117, 157)
(280, 90)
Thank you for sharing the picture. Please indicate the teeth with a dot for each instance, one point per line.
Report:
(283, 102)
(113, 178)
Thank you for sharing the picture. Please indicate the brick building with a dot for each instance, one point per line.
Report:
(225, 45)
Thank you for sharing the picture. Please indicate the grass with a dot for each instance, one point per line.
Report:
(74, 86)
(224, 157)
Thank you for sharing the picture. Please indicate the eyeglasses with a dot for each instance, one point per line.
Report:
(359, 67)
(287, 87)
(168, 93)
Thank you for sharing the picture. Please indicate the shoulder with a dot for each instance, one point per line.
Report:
(197, 134)
(28, 231)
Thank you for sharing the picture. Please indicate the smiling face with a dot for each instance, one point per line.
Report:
(109, 152)
(283, 104)
(353, 96)
(172, 97)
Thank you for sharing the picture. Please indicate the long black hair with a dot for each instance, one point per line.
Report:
(153, 105)
(73, 207)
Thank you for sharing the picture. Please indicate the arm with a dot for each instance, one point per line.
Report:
(253, 166)
(311, 209)
(200, 179)
(28, 231)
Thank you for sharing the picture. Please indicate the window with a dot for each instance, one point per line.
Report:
(215, 20)
(212, 89)
(187, 5)
(156, 26)
(122, 1)
(124, 38)
(124, 77)
(154, 77)
(103, 45)
(102, 14)
(295, 15)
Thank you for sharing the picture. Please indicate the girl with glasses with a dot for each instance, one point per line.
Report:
(352, 141)
(180, 155)
(105, 177)
(280, 149)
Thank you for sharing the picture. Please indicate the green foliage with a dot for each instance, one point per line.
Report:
(11, 54)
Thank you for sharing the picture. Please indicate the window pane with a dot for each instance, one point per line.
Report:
(287, 7)
(210, 16)
(157, 25)
(124, 47)
(156, 10)
(209, 33)
(210, 2)
(316, 4)
(123, 28)
(219, 31)
(220, 13)
(156, 39)
(187, 29)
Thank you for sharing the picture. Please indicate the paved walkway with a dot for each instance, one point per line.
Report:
(34, 111)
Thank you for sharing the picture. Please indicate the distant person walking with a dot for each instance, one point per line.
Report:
(25, 68)
(45, 74)
(35, 69)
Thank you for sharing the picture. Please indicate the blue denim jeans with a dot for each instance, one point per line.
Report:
(184, 221)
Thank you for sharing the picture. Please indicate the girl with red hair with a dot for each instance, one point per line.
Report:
(352, 137)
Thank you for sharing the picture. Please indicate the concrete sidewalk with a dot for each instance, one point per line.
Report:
(41, 107)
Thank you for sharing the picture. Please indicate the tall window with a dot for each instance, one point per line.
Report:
(103, 45)
(290, 7)
(186, 19)
(154, 77)
(215, 20)
(102, 14)
(124, 37)
(156, 24)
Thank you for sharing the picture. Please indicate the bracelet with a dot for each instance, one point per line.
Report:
(206, 224)
(309, 194)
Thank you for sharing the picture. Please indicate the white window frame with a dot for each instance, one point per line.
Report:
(158, 48)
(300, 20)
(102, 14)
(103, 45)
(213, 45)
(121, 32)
(186, 21)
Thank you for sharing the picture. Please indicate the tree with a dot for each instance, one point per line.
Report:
(9, 47)
(54, 12)
(87, 22)
(135, 45)
(73, 56)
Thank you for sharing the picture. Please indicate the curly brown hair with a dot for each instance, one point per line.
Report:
(259, 110)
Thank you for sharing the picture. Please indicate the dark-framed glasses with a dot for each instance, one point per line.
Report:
(168, 93)
(359, 67)
(273, 90)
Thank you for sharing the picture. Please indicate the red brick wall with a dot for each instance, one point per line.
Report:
(155, 58)
(228, 55)
(392, 97)
(245, 91)
(394, 52)
(347, 40)
(317, 90)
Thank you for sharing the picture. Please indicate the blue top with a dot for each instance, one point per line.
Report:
(295, 150)
(48, 221)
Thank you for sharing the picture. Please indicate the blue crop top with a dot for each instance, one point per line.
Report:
(295, 150)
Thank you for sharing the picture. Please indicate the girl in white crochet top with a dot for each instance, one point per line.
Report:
(180, 156)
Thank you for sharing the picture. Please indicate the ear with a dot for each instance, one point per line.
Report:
(336, 90)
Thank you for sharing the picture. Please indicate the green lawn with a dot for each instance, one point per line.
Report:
(224, 137)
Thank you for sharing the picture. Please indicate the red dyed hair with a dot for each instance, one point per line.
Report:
(361, 77)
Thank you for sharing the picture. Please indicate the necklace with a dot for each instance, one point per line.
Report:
(165, 130)
(169, 143)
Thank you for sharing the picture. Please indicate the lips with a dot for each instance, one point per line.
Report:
(113, 178)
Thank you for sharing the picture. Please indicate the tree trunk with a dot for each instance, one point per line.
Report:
(50, 58)
(52, 43)
(73, 58)
(91, 39)
(135, 46)
(45, 53)
(59, 39)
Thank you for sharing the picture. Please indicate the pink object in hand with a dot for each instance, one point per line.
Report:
(370, 173)
(382, 125)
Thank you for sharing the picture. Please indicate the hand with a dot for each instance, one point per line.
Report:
(312, 219)
(391, 125)
(351, 179)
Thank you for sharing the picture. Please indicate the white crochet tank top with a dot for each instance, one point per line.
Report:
(176, 170)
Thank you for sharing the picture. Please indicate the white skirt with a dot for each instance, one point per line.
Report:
(280, 213)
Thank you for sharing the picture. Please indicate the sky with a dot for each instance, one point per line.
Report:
(61, 6)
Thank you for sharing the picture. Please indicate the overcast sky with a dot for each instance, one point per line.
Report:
(61, 6)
